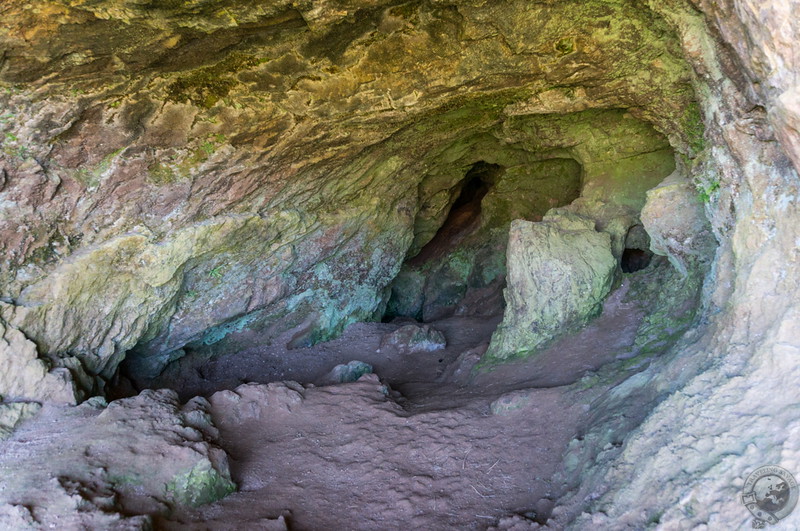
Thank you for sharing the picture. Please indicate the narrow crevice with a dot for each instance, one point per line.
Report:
(464, 214)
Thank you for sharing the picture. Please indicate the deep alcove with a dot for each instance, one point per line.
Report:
(464, 213)
(637, 254)
(634, 260)
(339, 265)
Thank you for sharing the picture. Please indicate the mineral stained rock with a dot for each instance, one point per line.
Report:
(172, 175)
(559, 272)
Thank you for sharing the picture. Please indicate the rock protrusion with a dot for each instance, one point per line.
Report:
(559, 272)
(673, 217)
(413, 338)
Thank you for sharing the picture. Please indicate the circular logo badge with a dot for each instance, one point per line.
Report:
(770, 494)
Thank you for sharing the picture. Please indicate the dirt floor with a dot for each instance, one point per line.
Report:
(424, 443)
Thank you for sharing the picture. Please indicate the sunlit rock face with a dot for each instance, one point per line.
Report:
(176, 173)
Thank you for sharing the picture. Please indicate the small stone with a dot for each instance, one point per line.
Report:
(348, 372)
(413, 338)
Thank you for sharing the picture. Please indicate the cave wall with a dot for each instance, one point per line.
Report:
(218, 167)
(172, 174)
(720, 406)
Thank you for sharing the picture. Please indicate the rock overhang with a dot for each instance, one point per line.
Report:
(252, 157)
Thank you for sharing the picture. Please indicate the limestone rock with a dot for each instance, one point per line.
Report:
(413, 338)
(25, 376)
(559, 272)
(673, 217)
(11, 414)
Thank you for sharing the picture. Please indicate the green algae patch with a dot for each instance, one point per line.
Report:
(201, 485)
(693, 127)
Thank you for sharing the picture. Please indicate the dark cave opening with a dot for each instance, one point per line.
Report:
(634, 260)
(464, 213)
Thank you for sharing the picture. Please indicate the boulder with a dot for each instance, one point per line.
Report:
(673, 217)
(413, 338)
(559, 272)
(348, 372)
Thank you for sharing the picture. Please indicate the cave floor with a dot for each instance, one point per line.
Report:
(441, 449)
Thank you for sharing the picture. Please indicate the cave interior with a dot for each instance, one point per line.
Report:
(372, 264)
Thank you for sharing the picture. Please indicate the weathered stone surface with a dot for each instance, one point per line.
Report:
(414, 338)
(673, 217)
(559, 272)
(142, 455)
(26, 376)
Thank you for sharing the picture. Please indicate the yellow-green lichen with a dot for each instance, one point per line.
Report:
(206, 86)
(201, 485)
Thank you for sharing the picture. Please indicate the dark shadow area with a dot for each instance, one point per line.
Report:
(635, 260)
(464, 213)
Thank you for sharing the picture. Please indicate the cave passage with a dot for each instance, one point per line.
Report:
(464, 213)
(634, 260)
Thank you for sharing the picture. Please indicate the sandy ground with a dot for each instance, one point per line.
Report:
(421, 444)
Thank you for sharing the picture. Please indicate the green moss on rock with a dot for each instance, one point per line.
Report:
(201, 485)
(559, 272)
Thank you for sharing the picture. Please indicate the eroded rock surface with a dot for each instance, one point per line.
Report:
(88, 466)
(559, 272)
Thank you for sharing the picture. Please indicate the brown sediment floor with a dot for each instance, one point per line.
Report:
(415, 446)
